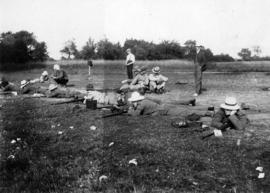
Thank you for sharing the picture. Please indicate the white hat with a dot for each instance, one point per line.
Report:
(230, 104)
(135, 96)
(24, 83)
(156, 69)
(56, 67)
(44, 73)
(52, 87)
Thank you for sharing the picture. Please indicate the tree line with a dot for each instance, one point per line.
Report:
(143, 50)
(16, 49)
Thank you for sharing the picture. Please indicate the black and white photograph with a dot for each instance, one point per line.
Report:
(134, 96)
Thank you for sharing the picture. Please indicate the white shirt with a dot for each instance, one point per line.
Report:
(130, 59)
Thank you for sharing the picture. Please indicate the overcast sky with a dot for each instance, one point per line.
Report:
(224, 26)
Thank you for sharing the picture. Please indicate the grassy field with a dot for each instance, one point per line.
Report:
(55, 149)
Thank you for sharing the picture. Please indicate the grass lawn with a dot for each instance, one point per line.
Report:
(52, 148)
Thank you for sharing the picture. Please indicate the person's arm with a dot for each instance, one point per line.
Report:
(135, 112)
(58, 74)
(130, 59)
(135, 80)
(217, 121)
(239, 120)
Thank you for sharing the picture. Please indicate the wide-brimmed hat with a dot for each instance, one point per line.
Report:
(24, 83)
(56, 67)
(230, 104)
(45, 73)
(156, 69)
(135, 96)
(52, 87)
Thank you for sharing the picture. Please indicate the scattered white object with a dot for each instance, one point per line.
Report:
(53, 126)
(195, 183)
(103, 177)
(13, 141)
(71, 127)
(14, 93)
(93, 127)
(11, 157)
(133, 161)
(111, 144)
(60, 132)
(261, 175)
(218, 133)
(238, 142)
(18, 139)
(259, 168)
(157, 170)
(204, 126)
(58, 125)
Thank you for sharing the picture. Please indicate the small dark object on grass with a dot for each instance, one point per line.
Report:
(265, 89)
(211, 108)
(178, 82)
(91, 104)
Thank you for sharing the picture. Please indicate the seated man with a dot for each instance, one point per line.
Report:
(7, 86)
(59, 75)
(229, 116)
(141, 80)
(157, 81)
(43, 78)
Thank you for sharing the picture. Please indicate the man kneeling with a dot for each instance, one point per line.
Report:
(157, 81)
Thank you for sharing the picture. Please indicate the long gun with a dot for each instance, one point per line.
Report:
(70, 101)
(114, 114)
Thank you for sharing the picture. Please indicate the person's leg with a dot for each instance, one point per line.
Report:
(153, 86)
(130, 71)
(198, 80)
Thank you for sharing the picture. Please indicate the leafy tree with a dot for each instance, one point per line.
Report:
(257, 51)
(70, 49)
(109, 51)
(89, 50)
(222, 58)
(190, 49)
(245, 54)
(19, 48)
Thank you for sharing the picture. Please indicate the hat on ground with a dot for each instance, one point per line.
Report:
(52, 87)
(89, 87)
(24, 83)
(45, 73)
(56, 67)
(230, 104)
(156, 69)
(135, 96)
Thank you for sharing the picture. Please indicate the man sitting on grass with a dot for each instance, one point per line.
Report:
(59, 75)
(229, 116)
(141, 80)
(157, 81)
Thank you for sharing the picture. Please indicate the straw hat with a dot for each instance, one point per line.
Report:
(52, 87)
(230, 104)
(24, 83)
(135, 96)
(56, 67)
(45, 73)
(156, 70)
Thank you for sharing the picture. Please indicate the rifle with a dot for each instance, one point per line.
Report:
(114, 114)
(70, 101)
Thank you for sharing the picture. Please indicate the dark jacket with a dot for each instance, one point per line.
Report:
(237, 121)
(60, 74)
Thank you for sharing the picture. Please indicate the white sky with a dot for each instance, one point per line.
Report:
(224, 26)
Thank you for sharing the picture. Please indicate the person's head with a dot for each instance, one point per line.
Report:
(44, 76)
(128, 51)
(89, 87)
(199, 48)
(230, 105)
(143, 70)
(56, 67)
(156, 70)
(135, 98)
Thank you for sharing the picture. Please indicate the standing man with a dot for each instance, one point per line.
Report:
(130, 60)
(199, 67)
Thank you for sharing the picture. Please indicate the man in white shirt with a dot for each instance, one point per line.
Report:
(130, 60)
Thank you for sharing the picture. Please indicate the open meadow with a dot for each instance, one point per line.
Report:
(55, 148)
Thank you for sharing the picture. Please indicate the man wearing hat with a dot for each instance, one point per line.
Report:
(229, 116)
(43, 78)
(141, 80)
(130, 60)
(199, 67)
(157, 81)
(6, 86)
(59, 75)
(141, 105)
